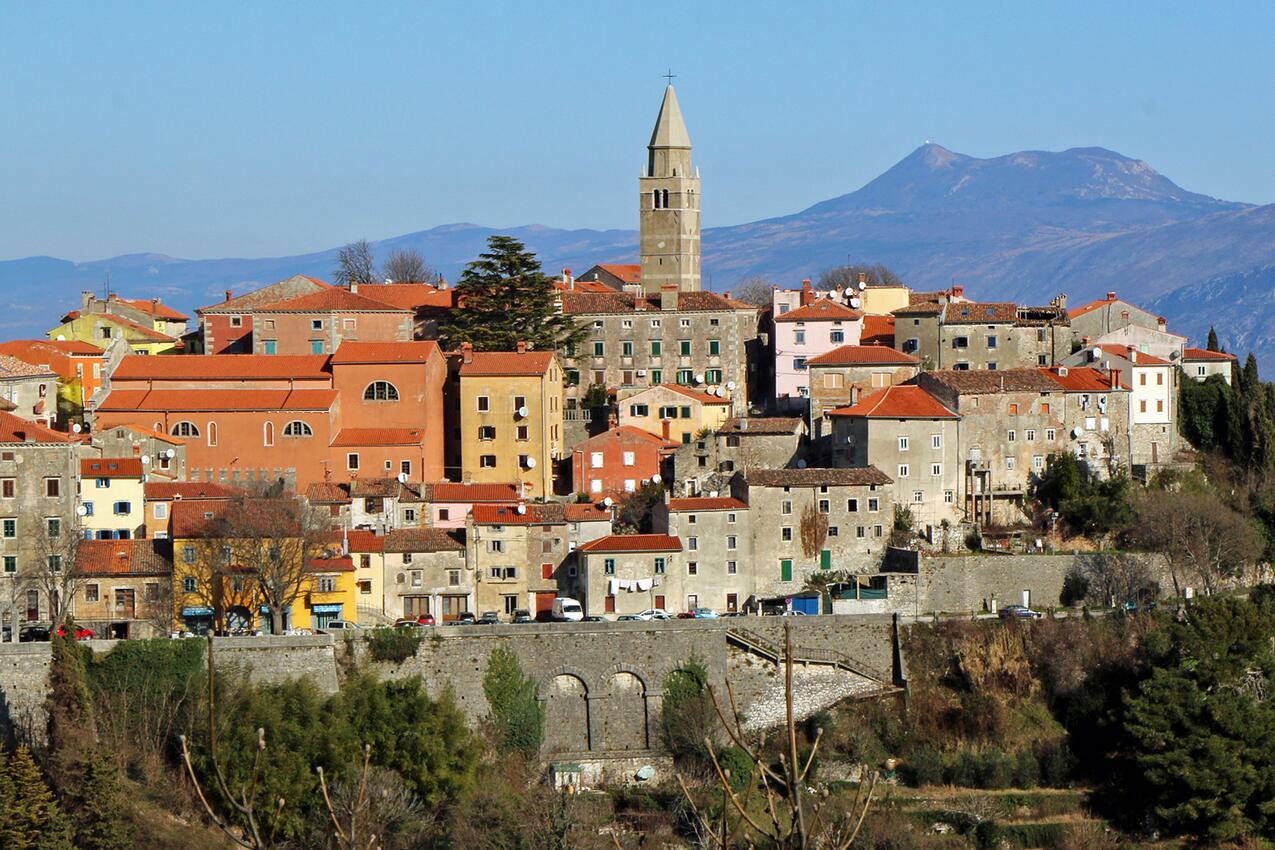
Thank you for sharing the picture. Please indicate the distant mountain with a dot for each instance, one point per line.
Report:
(1024, 226)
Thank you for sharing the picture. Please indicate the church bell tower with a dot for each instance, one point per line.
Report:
(669, 205)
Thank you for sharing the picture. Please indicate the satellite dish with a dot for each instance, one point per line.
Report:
(402, 478)
(80, 510)
(645, 772)
(855, 302)
(1077, 432)
(522, 412)
(801, 464)
(171, 453)
(608, 502)
(77, 427)
(730, 385)
(531, 463)
(719, 392)
(699, 378)
(862, 285)
(850, 438)
(146, 459)
(61, 337)
(522, 509)
(655, 479)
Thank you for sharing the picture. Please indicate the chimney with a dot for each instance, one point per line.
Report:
(863, 279)
(1085, 341)
(1111, 296)
(743, 424)
(230, 293)
(354, 286)
(1133, 353)
(807, 294)
(668, 296)
(1115, 379)
(958, 291)
(522, 346)
(568, 280)
(466, 352)
(154, 306)
(86, 299)
(1162, 322)
(666, 428)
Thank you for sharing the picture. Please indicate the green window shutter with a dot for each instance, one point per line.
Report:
(785, 570)
(714, 347)
(655, 348)
(825, 559)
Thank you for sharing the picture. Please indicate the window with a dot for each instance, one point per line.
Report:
(1013, 410)
(785, 534)
(327, 584)
(1142, 406)
(595, 485)
(1031, 435)
(685, 376)
(53, 487)
(1013, 435)
(626, 348)
(1159, 406)
(1038, 462)
(692, 543)
(53, 526)
(785, 507)
(599, 348)
(185, 429)
(991, 342)
(1044, 408)
(714, 348)
(522, 433)
(267, 433)
(656, 347)
(903, 470)
(961, 342)
(936, 470)
(417, 577)
(483, 404)
(297, 428)
(8, 488)
(903, 444)
(730, 519)
(874, 505)
(486, 432)
(189, 585)
(495, 545)
(684, 323)
(453, 578)
(487, 462)
(236, 321)
(852, 505)
(684, 347)
(692, 568)
(799, 364)
(271, 346)
(731, 568)
(627, 324)
(55, 563)
(380, 391)
(596, 460)
(799, 337)
(608, 566)
(161, 510)
(316, 324)
(785, 570)
(836, 337)
(832, 381)
(639, 410)
(1050, 434)
(90, 593)
(824, 506)
(655, 323)
(877, 531)
(1009, 463)
(352, 461)
(630, 485)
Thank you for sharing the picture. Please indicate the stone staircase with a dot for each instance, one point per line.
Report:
(806, 656)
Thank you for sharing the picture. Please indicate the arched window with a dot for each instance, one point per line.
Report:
(656, 199)
(268, 433)
(212, 433)
(185, 429)
(380, 391)
(297, 428)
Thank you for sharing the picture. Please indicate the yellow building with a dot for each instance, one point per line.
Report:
(367, 553)
(673, 412)
(332, 594)
(112, 498)
(511, 417)
(101, 329)
(883, 300)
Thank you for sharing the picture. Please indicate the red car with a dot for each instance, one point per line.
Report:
(81, 633)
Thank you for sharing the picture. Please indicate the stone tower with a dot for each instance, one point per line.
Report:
(669, 205)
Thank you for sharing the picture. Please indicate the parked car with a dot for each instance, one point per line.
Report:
(593, 618)
(465, 618)
(81, 632)
(629, 618)
(337, 626)
(704, 614)
(654, 614)
(685, 615)
(404, 623)
(522, 615)
(567, 609)
(420, 620)
(28, 634)
(489, 618)
(1019, 612)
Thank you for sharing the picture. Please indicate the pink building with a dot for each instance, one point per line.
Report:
(819, 325)
(449, 503)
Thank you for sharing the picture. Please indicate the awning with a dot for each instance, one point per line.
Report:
(197, 612)
(327, 609)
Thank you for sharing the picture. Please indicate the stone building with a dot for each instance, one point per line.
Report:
(317, 323)
(124, 588)
(29, 390)
(1200, 363)
(1153, 401)
(1108, 314)
(78, 366)
(910, 433)
(669, 205)
(629, 573)
(427, 572)
(165, 454)
(227, 327)
(952, 333)
(672, 412)
(739, 445)
(1095, 417)
(857, 505)
(516, 552)
(840, 376)
(717, 535)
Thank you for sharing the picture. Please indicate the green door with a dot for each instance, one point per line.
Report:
(825, 559)
(785, 570)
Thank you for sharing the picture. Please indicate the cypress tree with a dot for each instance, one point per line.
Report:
(95, 804)
(517, 717)
(1212, 343)
(506, 299)
(29, 816)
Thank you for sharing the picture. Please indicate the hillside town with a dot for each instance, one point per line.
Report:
(313, 455)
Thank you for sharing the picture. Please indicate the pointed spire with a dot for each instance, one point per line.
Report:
(670, 129)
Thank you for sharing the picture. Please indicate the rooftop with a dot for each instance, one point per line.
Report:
(508, 514)
(877, 330)
(902, 401)
(972, 313)
(284, 289)
(350, 352)
(112, 467)
(1205, 354)
(864, 355)
(205, 399)
(328, 493)
(506, 363)
(214, 367)
(349, 437)
(982, 381)
(627, 272)
(587, 512)
(1079, 379)
(821, 310)
(329, 300)
(408, 296)
(762, 425)
(154, 307)
(15, 429)
(175, 490)
(593, 303)
(817, 477)
(626, 434)
(453, 491)
(425, 540)
(707, 503)
(688, 392)
(138, 331)
(138, 557)
(12, 367)
(633, 543)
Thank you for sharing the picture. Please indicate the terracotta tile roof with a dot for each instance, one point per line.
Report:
(170, 491)
(154, 307)
(982, 381)
(112, 467)
(586, 512)
(971, 313)
(511, 363)
(821, 310)
(583, 286)
(361, 488)
(284, 289)
(696, 395)
(1091, 306)
(591, 303)
(215, 367)
(1079, 379)
(1145, 359)
(627, 272)
(343, 564)
(328, 493)
(350, 437)
(1205, 354)
(191, 519)
(903, 401)
(151, 433)
(330, 300)
(877, 330)
(425, 540)
(15, 429)
(146, 334)
(383, 352)
(12, 367)
(633, 543)
(72, 347)
(862, 476)
(208, 399)
(864, 355)
(628, 435)
(138, 557)
(762, 425)
(250, 517)
(535, 514)
(361, 540)
(453, 491)
(707, 503)
(407, 296)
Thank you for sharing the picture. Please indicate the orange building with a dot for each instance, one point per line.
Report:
(319, 322)
(368, 410)
(227, 327)
(78, 366)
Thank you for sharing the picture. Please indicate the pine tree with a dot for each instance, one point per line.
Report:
(95, 805)
(29, 816)
(1212, 343)
(517, 717)
(505, 299)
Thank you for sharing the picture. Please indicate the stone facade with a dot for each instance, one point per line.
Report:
(717, 534)
(669, 205)
(427, 571)
(958, 334)
(739, 445)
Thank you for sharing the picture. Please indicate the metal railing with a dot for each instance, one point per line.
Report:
(809, 655)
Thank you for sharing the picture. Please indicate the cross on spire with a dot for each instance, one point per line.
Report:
(669, 76)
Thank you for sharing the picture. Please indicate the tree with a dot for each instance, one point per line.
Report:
(354, 264)
(757, 290)
(54, 570)
(1110, 579)
(687, 716)
(1088, 505)
(406, 265)
(1212, 343)
(95, 802)
(517, 718)
(847, 276)
(30, 818)
(1201, 538)
(505, 299)
(814, 530)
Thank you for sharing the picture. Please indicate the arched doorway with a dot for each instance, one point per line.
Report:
(566, 701)
(625, 716)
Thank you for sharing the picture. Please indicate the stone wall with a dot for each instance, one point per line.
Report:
(24, 683)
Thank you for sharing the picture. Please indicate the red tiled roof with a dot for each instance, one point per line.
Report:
(512, 363)
(919, 308)
(407, 296)
(1205, 354)
(246, 303)
(343, 564)
(350, 437)
(15, 429)
(696, 395)
(425, 540)
(214, 367)
(152, 433)
(1091, 306)
(583, 286)
(360, 540)
(73, 347)
(587, 512)
(902, 401)
(171, 491)
(138, 557)
(453, 491)
(821, 310)
(155, 308)
(707, 503)
(205, 399)
(242, 517)
(982, 381)
(877, 330)
(972, 313)
(587, 303)
(148, 334)
(1079, 379)
(507, 514)
(15, 367)
(769, 425)
(330, 300)
(863, 355)
(626, 434)
(383, 352)
(112, 467)
(328, 493)
(627, 272)
(55, 354)
(633, 543)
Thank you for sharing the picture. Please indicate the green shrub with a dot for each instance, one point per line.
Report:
(995, 769)
(962, 770)
(1026, 770)
(517, 717)
(1035, 834)
(687, 715)
(989, 835)
(740, 766)
(925, 767)
(1057, 766)
(393, 645)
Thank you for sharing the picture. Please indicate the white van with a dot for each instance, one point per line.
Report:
(567, 610)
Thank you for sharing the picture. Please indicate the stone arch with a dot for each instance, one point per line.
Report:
(625, 712)
(608, 677)
(565, 695)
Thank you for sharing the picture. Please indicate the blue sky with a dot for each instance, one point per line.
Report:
(257, 129)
